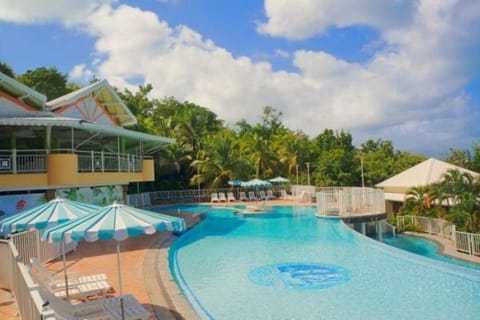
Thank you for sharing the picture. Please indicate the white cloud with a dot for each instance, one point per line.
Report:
(81, 73)
(410, 92)
(65, 11)
(282, 53)
(304, 18)
(402, 92)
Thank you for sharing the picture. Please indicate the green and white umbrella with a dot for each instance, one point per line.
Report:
(49, 214)
(117, 222)
(256, 183)
(279, 180)
(46, 215)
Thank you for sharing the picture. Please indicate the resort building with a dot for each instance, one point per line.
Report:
(425, 173)
(75, 146)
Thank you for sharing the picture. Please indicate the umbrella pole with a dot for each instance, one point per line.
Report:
(120, 281)
(65, 268)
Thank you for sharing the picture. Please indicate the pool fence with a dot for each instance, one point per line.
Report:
(464, 241)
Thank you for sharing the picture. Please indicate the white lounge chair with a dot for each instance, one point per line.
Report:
(214, 197)
(59, 281)
(284, 195)
(270, 195)
(230, 197)
(262, 195)
(76, 289)
(243, 196)
(251, 196)
(221, 197)
(100, 309)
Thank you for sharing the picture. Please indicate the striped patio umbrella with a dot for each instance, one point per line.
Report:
(49, 214)
(256, 183)
(117, 222)
(279, 180)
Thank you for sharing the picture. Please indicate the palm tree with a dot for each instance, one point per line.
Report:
(419, 200)
(220, 161)
(454, 185)
(257, 151)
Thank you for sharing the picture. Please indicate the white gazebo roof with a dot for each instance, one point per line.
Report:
(425, 173)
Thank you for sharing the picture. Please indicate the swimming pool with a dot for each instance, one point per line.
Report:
(292, 265)
(424, 247)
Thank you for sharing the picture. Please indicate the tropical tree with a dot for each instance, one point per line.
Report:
(219, 162)
(48, 81)
(256, 149)
(7, 70)
(466, 214)
(293, 149)
(420, 201)
(455, 185)
(336, 164)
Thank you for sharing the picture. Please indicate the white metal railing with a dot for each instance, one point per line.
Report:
(428, 225)
(183, 196)
(94, 161)
(23, 161)
(464, 241)
(468, 242)
(350, 201)
(35, 161)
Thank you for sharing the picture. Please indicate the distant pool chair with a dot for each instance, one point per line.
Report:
(214, 197)
(243, 196)
(230, 197)
(270, 195)
(222, 197)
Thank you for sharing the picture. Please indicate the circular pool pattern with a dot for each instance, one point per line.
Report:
(299, 275)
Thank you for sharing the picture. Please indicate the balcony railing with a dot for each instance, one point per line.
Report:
(35, 161)
(23, 161)
(93, 161)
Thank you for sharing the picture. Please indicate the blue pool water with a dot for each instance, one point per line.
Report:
(292, 265)
(425, 248)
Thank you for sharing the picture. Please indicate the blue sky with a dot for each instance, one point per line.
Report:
(406, 71)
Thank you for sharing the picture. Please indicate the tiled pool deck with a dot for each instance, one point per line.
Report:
(145, 272)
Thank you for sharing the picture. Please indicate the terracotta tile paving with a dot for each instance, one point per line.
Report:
(8, 306)
(101, 257)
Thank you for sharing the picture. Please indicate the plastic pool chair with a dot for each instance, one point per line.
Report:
(251, 196)
(270, 195)
(284, 195)
(262, 195)
(103, 308)
(76, 289)
(73, 279)
(214, 197)
(221, 197)
(230, 197)
(243, 196)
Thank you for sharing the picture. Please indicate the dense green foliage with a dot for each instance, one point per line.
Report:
(48, 81)
(209, 153)
(456, 198)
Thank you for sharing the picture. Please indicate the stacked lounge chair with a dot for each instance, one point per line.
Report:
(221, 197)
(80, 288)
(100, 309)
(230, 197)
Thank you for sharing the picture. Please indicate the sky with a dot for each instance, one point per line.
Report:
(400, 70)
